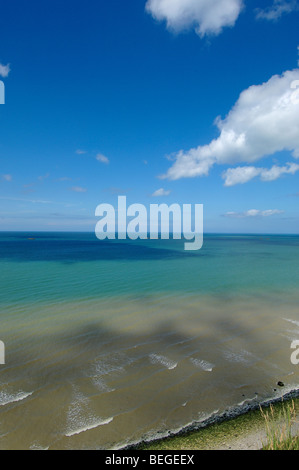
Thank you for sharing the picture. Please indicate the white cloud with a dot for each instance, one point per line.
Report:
(78, 189)
(81, 152)
(4, 70)
(101, 158)
(254, 213)
(160, 193)
(205, 16)
(275, 11)
(7, 178)
(277, 171)
(265, 120)
(241, 175)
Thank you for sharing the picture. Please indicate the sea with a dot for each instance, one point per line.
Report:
(111, 343)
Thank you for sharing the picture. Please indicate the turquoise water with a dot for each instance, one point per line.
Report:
(108, 343)
(60, 267)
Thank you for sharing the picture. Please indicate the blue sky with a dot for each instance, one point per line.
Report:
(108, 98)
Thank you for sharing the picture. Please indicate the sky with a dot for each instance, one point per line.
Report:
(164, 101)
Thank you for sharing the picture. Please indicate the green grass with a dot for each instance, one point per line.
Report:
(279, 426)
(211, 437)
(276, 421)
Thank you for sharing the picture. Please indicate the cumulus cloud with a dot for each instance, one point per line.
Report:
(254, 213)
(264, 121)
(275, 11)
(4, 70)
(205, 16)
(161, 192)
(101, 158)
(241, 175)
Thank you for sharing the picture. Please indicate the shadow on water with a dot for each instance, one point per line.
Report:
(65, 356)
(77, 356)
(73, 251)
(71, 248)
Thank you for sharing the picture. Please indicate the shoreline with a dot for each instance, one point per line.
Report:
(235, 429)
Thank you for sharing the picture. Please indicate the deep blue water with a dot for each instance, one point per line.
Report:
(228, 264)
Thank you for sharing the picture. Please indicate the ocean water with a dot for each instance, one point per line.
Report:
(110, 343)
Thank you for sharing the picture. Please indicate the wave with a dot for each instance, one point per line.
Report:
(89, 426)
(37, 446)
(248, 400)
(294, 322)
(168, 363)
(204, 365)
(80, 416)
(105, 367)
(6, 398)
(243, 357)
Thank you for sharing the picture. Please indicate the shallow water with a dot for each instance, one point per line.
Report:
(108, 343)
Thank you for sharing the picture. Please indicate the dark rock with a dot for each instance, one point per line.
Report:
(280, 384)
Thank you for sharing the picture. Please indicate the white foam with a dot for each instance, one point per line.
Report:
(6, 398)
(280, 394)
(37, 446)
(80, 417)
(104, 367)
(107, 367)
(157, 359)
(292, 321)
(90, 426)
(291, 336)
(243, 356)
(101, 385)
(248, 400)
(204, 365)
